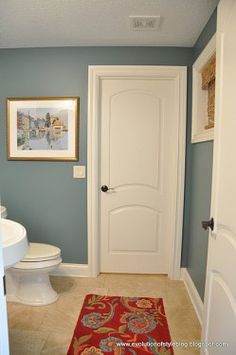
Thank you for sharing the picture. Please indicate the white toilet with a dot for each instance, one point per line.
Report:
(28, 281)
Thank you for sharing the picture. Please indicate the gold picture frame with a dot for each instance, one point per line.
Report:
(43, 128)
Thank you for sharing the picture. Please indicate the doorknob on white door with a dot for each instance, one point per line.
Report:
(208, 224)
(105, 188)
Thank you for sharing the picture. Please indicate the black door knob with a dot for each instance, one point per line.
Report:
(104, 188)
(208, 224)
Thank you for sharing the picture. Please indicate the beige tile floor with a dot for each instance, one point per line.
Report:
(48, 330)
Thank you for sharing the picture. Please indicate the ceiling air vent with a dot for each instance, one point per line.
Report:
(145, 23)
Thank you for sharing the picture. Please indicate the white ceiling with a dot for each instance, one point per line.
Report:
(43, 23)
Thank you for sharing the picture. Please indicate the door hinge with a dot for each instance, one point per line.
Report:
(4, 285)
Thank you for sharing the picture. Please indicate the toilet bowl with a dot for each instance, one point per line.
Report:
(28, 282)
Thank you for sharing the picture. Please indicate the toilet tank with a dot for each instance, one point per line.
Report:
(3, 212)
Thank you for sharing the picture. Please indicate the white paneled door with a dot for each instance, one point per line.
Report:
(139, 173)
(219, 328)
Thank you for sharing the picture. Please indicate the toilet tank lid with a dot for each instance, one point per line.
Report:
(41, 252)
(3, 211)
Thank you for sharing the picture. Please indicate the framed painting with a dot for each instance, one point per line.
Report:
(43, 128)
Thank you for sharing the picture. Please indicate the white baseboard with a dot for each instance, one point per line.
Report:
(193, 293)
(74, 270)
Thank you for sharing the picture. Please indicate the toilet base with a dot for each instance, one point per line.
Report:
(30, 287)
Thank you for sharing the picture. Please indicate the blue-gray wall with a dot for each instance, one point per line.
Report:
(43, 196)
(199, 190)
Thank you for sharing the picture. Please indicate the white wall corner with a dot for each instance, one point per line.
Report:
(73, 270)
(193, 293)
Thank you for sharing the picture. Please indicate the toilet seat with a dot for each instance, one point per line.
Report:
(32, 265)
(40, 256)
(41, 252)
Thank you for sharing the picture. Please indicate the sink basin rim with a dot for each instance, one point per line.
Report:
(15, 246)
(19, 231)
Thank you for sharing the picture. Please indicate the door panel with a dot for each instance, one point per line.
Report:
(222, 295)
(140, 129)
(132, 220)
(219, 324)
(139, 152)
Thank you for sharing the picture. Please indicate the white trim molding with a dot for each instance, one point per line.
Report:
(200, 97)
(193, 293)
(96, 74)
(73, 270)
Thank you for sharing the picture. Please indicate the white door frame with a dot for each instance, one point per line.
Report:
(95, 74)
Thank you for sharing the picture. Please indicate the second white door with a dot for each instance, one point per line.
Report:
(139, 156)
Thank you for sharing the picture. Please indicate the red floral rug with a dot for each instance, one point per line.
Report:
(121, 325)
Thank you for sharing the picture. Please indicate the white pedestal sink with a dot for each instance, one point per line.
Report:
(14, 242)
